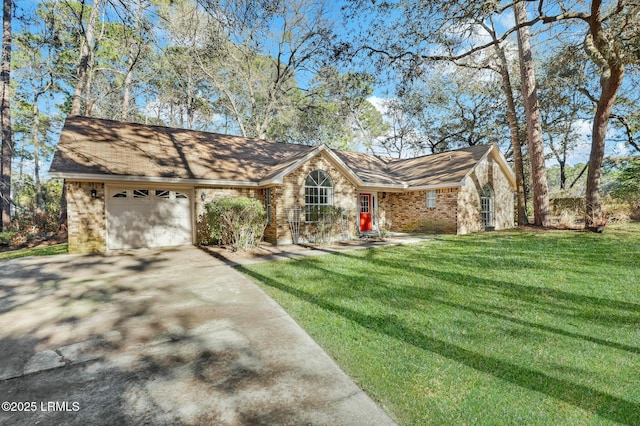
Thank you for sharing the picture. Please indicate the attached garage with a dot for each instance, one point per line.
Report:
(131, 185)
(148, 217)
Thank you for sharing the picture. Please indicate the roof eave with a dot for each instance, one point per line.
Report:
(90, 177)
(368, 186)
(436, 186)
(505, 168)
(346, 170)
(502, 161)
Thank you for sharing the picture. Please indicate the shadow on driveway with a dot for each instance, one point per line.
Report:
(160, 337)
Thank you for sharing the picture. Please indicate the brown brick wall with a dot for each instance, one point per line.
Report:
(457, 209)
(86, 217)
(408, 212)
(270, 232)
(291, 194)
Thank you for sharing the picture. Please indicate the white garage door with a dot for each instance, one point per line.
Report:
(147, 218)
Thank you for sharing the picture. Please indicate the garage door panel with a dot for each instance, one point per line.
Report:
(141, 219)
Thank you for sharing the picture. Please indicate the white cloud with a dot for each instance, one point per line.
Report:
(380, 104)
(582, 149)
(621, 150)
(505, 21)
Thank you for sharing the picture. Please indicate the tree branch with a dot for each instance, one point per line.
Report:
(627, 127)
(452, 58)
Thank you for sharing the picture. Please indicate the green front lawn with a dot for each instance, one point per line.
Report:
(494, 328)
(35, 251)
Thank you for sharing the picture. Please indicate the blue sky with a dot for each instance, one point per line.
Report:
(383, 91)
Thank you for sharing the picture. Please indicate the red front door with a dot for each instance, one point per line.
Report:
(365, 212)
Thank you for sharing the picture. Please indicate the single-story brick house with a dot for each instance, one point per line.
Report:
(133, 185)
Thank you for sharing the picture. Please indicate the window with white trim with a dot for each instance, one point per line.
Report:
(431, 199)
(318, 195)
(487, 206)
(267, 204)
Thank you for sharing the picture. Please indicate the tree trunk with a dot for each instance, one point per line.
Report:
(610, 86)
(35, 130)
(512, 118)
(127, 88)
(541, 210)
(85, 58)
(5, 113)
(600, 50)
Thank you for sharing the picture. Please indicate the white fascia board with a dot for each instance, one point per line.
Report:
(149, 179)
(438, 186)
(279, 178)
(502, 162)
(345, 169)
(407, 188)
(505, 167)
(382, 187)
(473, 169)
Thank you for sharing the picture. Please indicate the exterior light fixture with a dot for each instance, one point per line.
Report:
(94, 194)
(202, 196)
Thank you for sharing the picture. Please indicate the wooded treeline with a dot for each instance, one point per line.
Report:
(444, 75)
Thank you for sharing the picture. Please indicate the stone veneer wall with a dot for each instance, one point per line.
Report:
(469, 212)
(86, 217)
(291, 194)
(408, 212)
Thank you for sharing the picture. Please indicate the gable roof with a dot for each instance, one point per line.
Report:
(92, 148)
(432, 170)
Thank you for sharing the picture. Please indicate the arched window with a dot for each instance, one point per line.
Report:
(318, 194)
(486, 204)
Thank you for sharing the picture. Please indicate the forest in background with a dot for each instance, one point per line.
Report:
(389, 78)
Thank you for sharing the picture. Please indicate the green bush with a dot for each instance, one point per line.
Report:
(238, 222)
(626, 188)
(331, 216)
(6, 238)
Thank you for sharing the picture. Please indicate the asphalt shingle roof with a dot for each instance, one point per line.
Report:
(91, 146)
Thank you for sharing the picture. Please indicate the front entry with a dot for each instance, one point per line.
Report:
(365, 213)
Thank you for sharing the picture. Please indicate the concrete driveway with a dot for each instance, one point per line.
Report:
(159, 337)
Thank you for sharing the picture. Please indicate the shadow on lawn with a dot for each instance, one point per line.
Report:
(542, 327)
(550, 297)
(584, 397)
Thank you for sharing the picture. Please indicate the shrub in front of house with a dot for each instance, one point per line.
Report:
(237, 222)
(329, 222)
(7, 237)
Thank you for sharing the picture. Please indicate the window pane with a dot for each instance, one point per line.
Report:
(318, 194)
(431, 199)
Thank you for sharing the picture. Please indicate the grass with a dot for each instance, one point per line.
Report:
(35, 251)
(495, 328)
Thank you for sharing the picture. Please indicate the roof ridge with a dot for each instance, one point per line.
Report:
(182, 129)
(433, 154)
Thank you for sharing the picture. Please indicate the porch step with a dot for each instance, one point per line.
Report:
(369, 234)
